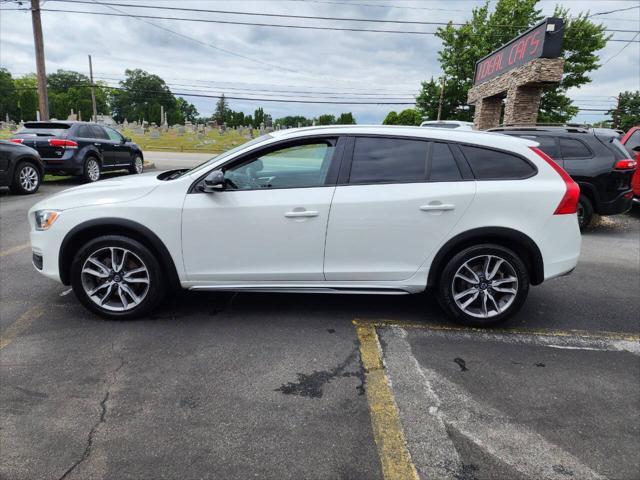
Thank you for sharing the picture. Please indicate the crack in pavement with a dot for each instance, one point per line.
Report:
(103, 414)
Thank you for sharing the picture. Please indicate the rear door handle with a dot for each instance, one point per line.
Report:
(301, 213)
(437, 206)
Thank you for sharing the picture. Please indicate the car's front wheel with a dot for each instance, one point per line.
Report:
(26, 179)
(117, 277)
(483, 285)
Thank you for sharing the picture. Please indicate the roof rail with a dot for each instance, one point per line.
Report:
(569, 127)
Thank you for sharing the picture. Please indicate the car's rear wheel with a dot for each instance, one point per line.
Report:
(26, 179)
(137, 166)
(483, 285)
(117, 277)
(585, 212)
(91, 172)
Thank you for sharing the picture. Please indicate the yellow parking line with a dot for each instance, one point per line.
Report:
(387, 430)
(17, 248)
(604, 335)
(21, 324)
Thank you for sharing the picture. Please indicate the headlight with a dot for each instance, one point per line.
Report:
(45, 218)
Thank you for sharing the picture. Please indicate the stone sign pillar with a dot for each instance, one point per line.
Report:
(522, 88)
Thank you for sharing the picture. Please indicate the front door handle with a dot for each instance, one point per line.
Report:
(301, 213)
(434, 207)
(97, 144)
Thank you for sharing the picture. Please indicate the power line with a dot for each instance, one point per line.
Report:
(319, 102)
(229, 22)
(306, 17)
(619, 51)
(613, 11)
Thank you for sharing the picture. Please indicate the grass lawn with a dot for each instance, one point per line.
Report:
(170, 141)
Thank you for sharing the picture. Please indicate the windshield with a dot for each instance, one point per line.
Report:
(228, 153)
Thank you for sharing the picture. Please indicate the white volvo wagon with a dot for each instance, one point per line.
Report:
(475, 217)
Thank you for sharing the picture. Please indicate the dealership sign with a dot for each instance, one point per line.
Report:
(541, 41)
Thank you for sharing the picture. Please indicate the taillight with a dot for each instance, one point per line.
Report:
(625, 164)
(59, 142)
(569, 202)
(17, 140)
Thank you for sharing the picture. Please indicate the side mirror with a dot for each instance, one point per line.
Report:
(126, 139)
(636, 149)
(214, 182)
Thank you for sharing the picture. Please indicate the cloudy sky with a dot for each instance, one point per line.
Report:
(267, 62)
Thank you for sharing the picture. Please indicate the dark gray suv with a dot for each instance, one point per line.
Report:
(595, 159)
(80, 148)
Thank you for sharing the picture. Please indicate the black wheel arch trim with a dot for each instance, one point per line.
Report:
(65, 255)
(487, 235)
(29, 159)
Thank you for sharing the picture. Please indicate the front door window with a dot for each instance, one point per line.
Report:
(292, 167)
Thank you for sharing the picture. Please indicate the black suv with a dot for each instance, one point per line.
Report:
(20, 168)
(595, 159)
(80, 148)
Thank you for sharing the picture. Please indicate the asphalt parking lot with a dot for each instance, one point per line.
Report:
(322, 386)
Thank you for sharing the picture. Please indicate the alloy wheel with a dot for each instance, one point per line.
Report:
(28, 178)
(115, 278)
(139, 166)
(485, 286)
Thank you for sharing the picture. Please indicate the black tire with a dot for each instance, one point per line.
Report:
(513, 264)
(150, 294)
(137, 165)
(585, 212)
(88, 172)
(26, 179)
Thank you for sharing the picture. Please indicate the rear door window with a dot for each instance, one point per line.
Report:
(84, 131)
(388, 160)
(98, 132)
(442, 165)
(572, 148)
(488, 164)
(547, 144)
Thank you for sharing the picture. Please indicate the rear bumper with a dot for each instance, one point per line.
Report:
(620, 204)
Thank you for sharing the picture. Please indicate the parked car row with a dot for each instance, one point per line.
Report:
(67, 148)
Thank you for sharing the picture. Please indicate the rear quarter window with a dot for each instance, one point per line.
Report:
(572, 148)
(488, 164)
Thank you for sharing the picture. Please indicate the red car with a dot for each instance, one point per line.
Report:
(631, 141)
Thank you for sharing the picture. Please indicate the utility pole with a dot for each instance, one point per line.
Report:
(441, 98)
(43, 100)
(616, 114)
(93, 92)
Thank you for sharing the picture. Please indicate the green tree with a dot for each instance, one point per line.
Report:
(346, 118)
(258, 117)
(326, 119)
(409, 116)
(222, 110)
(391, 118)
(26, 97)
(627, 114)
(463, 45)
(293, 121)
(8, 99)
(69, 90)
(141, 96)
(187, 110)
